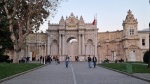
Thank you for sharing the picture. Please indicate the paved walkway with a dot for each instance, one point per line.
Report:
(77, 73)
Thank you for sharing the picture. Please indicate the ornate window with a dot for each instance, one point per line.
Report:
(131, 31)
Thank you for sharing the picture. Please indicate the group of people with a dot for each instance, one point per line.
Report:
(24, 60)
(94, 60)
(49, 59)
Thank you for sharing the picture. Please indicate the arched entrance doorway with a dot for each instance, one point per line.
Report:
(72, 48)
(54, 48)
(90, 48)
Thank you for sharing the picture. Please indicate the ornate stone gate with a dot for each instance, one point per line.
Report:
(59, 36)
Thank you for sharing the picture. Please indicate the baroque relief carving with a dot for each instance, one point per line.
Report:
(53, 37)
(89, 36)
(72, 21)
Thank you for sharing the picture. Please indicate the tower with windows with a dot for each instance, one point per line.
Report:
(130, 25)
(130, 37)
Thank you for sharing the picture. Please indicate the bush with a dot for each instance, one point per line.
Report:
(146, 57)
(4, 58)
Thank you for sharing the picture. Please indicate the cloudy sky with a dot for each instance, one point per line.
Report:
(110, 13)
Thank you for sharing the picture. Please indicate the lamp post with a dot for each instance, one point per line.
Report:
(43, 53)
(149, 33)
(36, 45)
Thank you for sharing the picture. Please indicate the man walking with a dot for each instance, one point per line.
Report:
(67, 61)
(94, 61)
(89, 61)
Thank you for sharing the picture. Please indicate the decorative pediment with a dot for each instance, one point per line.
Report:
(71, 22)
(130, 18)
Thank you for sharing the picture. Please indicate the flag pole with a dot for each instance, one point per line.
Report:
(96, 16)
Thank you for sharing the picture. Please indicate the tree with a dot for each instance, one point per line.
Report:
(5, 40)
(146, 58)
(25, 16)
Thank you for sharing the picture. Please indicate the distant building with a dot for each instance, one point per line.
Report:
(128, 44)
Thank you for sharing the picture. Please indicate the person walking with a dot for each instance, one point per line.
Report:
(49, 59)
(94, 61)
(89, 61)
(67, 61)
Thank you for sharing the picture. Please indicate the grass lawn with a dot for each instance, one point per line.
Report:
(136, 67)
(7, 69)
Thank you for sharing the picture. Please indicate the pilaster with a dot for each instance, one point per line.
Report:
(59, 44)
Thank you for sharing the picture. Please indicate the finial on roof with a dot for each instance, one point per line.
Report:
(71, 14)
(81, 18)
(66, 17)
(77, 17)
(62, 17)
(129, 12)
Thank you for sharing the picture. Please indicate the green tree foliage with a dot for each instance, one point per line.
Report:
(146, 58)
(5, 40)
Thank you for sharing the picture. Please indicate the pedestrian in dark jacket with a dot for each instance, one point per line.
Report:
(94, 61)
(89, 61)
(67, 61)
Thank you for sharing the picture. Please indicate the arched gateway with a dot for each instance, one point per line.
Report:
(60, 36)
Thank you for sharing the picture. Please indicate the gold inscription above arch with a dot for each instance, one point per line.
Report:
(71, 26)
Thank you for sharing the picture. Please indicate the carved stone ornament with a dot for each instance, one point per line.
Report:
(72, 22)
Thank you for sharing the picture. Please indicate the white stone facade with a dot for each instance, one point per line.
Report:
(59, 36)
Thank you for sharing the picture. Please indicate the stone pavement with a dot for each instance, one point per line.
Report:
(77, 73)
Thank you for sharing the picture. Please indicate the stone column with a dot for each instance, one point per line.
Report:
(59, 44)
(83, 46)
(64, 45)
(48, 45)
(95, 45)
(79, 44)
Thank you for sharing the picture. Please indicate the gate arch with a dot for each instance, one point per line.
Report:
(72, 28)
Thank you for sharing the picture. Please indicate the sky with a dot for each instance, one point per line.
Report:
(110, 13)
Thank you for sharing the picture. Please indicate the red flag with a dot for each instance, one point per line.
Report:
(93, 22)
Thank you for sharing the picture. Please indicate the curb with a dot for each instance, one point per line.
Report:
(126, 73)
(16, 75)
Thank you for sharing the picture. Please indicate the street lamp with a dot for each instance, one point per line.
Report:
(45, 54)
(149, 33)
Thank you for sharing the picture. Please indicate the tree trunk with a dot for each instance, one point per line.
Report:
(16, 57)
